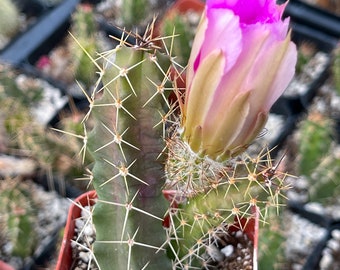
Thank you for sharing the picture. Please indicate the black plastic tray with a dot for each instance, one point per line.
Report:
(37, 38)
(314, 17)
(313, 259)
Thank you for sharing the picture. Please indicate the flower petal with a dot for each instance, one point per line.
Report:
(233, 82)
(249, 133)
(271, 73)
(251, 12)
(219, 135)
(195, 50)
(202, 91)
(222, 24)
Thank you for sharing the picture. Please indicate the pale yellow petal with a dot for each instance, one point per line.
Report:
(218, 135)
(249, 133)
(202, 92)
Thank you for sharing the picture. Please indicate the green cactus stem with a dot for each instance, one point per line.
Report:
(209, 196)
(325, 179)
(133, 12)
(126, 144)
(84, 28)
(315, 137)
(17, 213)
(271, 239)
(182, 43)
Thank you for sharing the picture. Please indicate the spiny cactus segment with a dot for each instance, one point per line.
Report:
(314, 139)
(134, 12)
(208, 197)
(17, 218)
(129, 113)
(138, 152)
(84, 27)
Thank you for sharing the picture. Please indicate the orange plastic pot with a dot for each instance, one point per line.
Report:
(65, 255)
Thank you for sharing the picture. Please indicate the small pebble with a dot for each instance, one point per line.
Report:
(333, 244)
(84, 256)
(336, 234)
(227, 250)
(79, 223)
(326, 261)
(88, 230)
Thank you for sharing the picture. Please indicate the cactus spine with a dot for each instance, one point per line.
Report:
(182, 47)
(84, 28)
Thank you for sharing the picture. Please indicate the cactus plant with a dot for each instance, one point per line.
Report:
(84, 28)
(54, 153)
(140, 147)
(315, 137)
(126, 143)
(10, 22)
(325, 180)
(212, 195)
(134, 12)
(30, 218)
(17, 211)
(271, 243)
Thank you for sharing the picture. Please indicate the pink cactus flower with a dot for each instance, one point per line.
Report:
(241, 61)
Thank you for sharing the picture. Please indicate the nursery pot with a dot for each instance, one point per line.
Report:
(5, 266)
(179, 7)
(65, 255)
(35, 40)
(182, 6)
(250, 227)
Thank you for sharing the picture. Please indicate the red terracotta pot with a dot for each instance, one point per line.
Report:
(182, 6)
(65, 255)
(5, 266)
(251, 228)
(179, 7)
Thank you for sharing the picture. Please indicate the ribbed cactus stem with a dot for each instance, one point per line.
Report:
(17, 213)
(314, 141)
(128, 174)
(209, 196)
